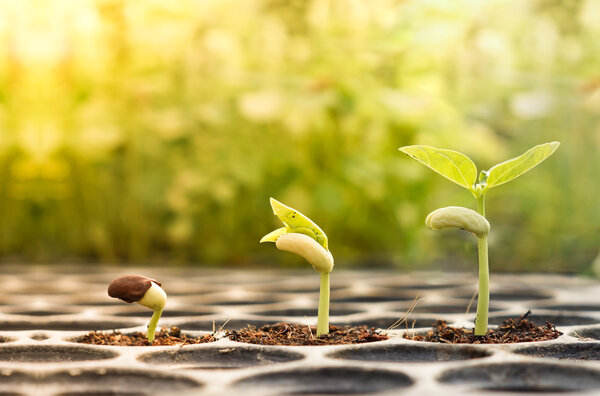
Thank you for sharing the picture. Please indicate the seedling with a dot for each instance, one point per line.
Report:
(459, 169)
(303, 237)
(144, 291)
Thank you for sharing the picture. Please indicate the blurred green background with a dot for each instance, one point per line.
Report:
(155, 132)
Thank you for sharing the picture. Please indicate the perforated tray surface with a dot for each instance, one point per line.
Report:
(42, 310)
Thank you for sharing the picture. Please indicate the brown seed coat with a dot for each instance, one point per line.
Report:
(130, 288)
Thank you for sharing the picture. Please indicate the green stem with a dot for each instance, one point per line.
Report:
(152, 325)
(323, 318)
(481, 205)
(483, 300)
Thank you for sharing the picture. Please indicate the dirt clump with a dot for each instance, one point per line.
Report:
(292, 334)
(164, 337)
(511, 331)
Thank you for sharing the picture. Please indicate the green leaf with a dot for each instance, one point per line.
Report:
(295, 222)
(513, 168)
(451, 164)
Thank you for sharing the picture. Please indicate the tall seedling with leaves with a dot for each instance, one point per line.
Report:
(461, 170)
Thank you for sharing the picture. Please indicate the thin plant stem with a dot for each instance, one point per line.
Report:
(323, 318)
(152, 325)
(481, 205)
(483, 299)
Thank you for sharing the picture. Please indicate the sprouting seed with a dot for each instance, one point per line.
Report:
(144, 291)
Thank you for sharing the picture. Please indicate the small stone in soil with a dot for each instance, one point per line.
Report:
(295, 334)
(164, 337)
(511, 331)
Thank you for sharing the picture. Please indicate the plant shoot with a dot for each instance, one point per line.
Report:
(306, 239)
(459, 169)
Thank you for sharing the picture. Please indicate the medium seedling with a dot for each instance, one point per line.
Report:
(459, 169)
(144, 291)
(303, 237)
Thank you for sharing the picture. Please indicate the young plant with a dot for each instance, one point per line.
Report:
(144, 291)
(459, 169)
(303, 237)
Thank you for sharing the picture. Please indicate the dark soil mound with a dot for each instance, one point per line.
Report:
(164, 337)
(511, 331)
(295, 334)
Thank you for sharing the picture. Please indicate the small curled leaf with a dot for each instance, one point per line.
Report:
(296, 222)
(273, 235)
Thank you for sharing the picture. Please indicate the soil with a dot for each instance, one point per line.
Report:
(164, 337)
(511, 331)
(295, 334)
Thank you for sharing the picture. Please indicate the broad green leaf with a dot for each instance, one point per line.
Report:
(451, 164)
(513, 168)
(295, 222)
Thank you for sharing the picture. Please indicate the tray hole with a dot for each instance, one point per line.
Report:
(93, 393)
(327, 381)
(39, 336)
(11, 379)
(40, 291)
(250, 301)
(524, 389)
(109, 303)
(512, 295)
(593, 333)
(427, 286)
(524, 377)
(299, 289)
(376, 298)
(166, 314)
(411, 353)
(111, 381)
(573, 307)
(52, 353)
(65, 325)
(448, 309)
(583, 351)
(40, 313)
(302, 312)
(221, 358)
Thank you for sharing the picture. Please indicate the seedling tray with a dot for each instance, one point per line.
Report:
(45, 309)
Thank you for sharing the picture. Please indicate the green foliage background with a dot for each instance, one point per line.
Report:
(156, 131)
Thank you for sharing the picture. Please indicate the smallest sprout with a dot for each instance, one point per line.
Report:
(144, 291)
